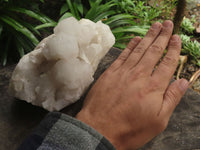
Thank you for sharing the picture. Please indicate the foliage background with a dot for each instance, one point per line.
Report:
(23, 23)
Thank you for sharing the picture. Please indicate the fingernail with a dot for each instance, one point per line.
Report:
(156, 25)
(167, 23)
(184, 84)
(175, 38)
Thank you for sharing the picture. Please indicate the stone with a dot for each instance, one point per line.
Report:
(19, 118)
(60, 69)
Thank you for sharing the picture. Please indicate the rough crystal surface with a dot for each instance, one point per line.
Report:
(58, 71)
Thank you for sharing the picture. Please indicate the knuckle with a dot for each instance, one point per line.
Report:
(156, 49)
(172, 96)
(167, 60)
(131, 44)
(152, 32)
(154, 85)
(165, 32)
(175, 44)
(139, 49)
(138, 72)
(124, 55)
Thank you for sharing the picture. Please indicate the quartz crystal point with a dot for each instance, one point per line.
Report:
(59, 70)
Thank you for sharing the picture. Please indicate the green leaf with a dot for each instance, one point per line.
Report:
(118, 17)
(76, 11)
(125, 38)
(42, 1)
(45, 25)
(29, 26)
(198, 62)
(26, 44)
(120, 45)
(70, 5)
(141, 30)
(20, 28)
(93, 10)
(120, 23)
(42, 18)
(66, 15)
(20, 49)
(63, 9)
(5, 52)
(1, 29)
(104, 15)
(103, 8)
(79, 6)
(92, 2)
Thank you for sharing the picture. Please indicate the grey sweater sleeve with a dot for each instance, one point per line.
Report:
(61, 132)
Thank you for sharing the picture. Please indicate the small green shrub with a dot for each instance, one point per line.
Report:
(187, 26)
(191, 48)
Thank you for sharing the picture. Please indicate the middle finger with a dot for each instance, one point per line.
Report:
(155, 51)
(139, 51)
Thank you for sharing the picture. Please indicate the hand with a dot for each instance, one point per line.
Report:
(132, 102)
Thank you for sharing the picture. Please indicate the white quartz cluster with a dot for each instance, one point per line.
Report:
(58, 71)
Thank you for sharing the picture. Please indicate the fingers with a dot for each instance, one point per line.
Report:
(126, 52)
(155, 51)
(140, 49)
(173, 96)
(167, 67)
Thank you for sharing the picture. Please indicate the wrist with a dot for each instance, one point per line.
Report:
(116, 138)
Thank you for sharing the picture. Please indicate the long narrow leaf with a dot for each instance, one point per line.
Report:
(20, 48)
(79, 6)
(104, 15)
(105, 7)
(118, 17)
(97, 10)
(46, 18)
(5, 52)
(121, 23)
(22, 40)
(20, 28)
(29, 26)
(66, 15)
(45, 25)
(1, 29)
(132, 29)
(92, 12)
(63, 9)
(94, 2)
(125, 38)
(43, 19)
(120, 45)
(76, 11)
(70, 5)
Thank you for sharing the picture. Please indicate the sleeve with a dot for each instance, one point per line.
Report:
(61, 132)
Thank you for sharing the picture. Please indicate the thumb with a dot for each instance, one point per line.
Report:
(173, 96)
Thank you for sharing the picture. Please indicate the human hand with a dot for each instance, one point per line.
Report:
(132, 102)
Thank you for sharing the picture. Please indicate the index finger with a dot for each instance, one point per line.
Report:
(168, 65)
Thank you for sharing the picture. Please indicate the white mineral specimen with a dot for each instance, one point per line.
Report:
(62, 66)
